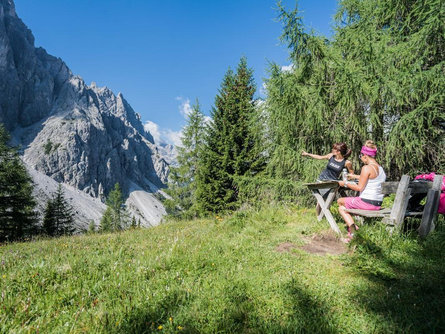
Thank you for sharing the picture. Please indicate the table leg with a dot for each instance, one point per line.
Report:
(325, 209)
(318, 211)
(328, 203)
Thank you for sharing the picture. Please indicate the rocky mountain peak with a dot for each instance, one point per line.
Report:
(83, 136)
(7, 8)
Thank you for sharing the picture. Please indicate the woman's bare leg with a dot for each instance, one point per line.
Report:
(345, 215)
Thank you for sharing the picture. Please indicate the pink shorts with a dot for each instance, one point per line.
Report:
(358, 203)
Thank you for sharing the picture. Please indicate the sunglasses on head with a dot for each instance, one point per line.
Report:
(362, 155)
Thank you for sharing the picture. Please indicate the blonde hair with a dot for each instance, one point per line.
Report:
(370, 144)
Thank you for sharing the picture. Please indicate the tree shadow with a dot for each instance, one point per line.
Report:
(307, 313)
(310, 314)
(148, 318)
(407, 283)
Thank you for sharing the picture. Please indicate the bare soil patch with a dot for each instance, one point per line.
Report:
(285, 247)
(322, 244)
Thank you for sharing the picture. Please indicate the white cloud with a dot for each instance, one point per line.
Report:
(160, 136)
(287, 68)
(173, 137)
(263, 89)
(153, 128)
(185, 108)
(169, 136)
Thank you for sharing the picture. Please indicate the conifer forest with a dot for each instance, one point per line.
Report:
(380, 77)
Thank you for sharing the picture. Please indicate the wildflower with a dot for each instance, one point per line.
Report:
(180, 328)
(4, 276)
(170, 319)
(160, 327)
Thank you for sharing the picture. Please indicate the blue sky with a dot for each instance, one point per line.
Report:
(162, 55)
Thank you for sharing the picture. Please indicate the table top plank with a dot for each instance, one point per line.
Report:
(322, 185)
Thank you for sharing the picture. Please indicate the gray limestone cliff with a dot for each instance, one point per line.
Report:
(83, 136)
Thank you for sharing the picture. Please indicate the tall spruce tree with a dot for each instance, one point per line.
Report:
(49, 223)
(59, 215)
(115, 217)
(182, 185)
(17, 216)
(227, 152)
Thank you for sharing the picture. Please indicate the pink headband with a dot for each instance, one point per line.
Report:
(369, 151)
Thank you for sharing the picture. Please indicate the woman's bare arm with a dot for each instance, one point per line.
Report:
(348, 165)
(362, 181)
(316, 156)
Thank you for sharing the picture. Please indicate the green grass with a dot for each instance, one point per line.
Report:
(224, 275)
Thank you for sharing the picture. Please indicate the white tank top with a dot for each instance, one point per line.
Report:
(373, 189)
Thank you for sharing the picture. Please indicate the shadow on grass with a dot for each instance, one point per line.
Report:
(310, 314)
(408, 281)
(146, 319)
(307, 314)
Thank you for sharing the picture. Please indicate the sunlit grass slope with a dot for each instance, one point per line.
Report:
(223, 275)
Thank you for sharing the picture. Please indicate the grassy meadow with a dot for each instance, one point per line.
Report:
(227, 274)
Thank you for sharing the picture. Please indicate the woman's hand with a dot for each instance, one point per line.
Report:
(304, 153)
(353, 176)
(341, 183)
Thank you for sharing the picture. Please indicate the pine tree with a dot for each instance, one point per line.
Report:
(106, 223)
(59, 215)
(241, 119)
(115, 217)
(91, 227)
(213, 183)
(182, 185)
(17, 216)
(49, 223)
(228, 148)
(133, 224)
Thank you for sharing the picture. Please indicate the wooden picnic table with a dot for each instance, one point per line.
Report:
(393, 216)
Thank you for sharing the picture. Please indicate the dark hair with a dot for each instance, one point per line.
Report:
(343, 149)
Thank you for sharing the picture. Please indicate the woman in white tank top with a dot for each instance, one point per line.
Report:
(369, 185)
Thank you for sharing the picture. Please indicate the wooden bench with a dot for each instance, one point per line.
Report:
(395, 216)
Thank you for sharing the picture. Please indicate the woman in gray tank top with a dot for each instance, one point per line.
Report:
(336, 162)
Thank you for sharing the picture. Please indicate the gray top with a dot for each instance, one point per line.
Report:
(332, 170)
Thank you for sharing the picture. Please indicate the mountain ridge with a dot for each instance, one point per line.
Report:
(83, 136)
